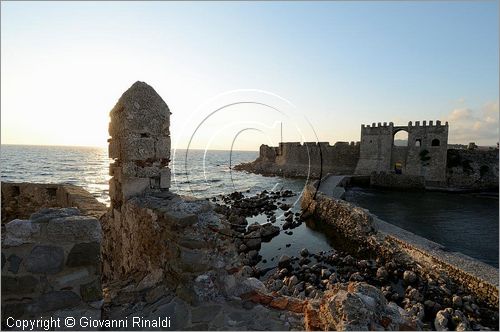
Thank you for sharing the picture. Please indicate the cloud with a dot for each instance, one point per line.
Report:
(479, 125)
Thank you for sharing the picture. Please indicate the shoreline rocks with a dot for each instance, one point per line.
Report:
(413, 299)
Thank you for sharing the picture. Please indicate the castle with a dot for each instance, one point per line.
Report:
(424, 155)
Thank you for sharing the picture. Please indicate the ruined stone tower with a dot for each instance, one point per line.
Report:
(424, 155)
(152, 236)
(139, 144)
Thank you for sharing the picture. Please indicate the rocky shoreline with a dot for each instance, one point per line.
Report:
(407, 294)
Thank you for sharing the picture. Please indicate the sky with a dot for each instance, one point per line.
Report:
(321, 69)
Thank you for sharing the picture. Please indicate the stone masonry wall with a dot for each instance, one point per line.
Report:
(397, 181)
(472, 169)
(303, 160)
(51, 262)
(152, 236)
(139, 144)
(424, 155)
(20, 200)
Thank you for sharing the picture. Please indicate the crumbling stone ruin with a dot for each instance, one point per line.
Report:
(152, 236)
(51, 262)
(310, 159)
(140, 144)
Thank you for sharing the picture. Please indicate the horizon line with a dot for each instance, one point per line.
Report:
(105, 147)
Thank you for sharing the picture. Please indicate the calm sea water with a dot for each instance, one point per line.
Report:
(195, 172)
(465, 223)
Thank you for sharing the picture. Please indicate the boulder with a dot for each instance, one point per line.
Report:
(360, 306)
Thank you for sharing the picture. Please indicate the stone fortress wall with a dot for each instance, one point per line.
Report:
(427, 161)
(295, 159)
(425, 154)
(51, 260)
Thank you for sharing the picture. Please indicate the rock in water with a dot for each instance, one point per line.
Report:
(284, 261)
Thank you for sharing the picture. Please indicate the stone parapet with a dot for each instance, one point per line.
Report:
(20, 200)
(51, 262)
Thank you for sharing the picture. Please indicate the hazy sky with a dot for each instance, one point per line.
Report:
(64, 65)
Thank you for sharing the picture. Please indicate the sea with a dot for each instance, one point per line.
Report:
(468, 223)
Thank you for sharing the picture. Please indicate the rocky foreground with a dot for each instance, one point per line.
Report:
(348, 287)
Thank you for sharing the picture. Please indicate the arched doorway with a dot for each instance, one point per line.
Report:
(399, 151)
(400, 138)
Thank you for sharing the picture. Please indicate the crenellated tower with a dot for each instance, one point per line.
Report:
(425, 153)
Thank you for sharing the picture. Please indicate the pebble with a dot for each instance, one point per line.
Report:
(325, 273)
(409, 277)
(382, 273)
(293, 281)
(457, 301)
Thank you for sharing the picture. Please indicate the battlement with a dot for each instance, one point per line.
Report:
(311, 144)
(378, 125)
(410, 124)
(424, 124)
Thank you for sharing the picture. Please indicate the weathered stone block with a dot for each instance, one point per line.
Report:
(14, 262)
(137, 148)
(74, 229)
(84, 254)
(45, 259)
(180, 218)
(47, 214)
(114, 187)
(91, 291)
(54, 301)
(71, 277)
(18, 285)
(193, 260)
(162, 147)
(20, 232)
(139, 110)
(134, 186)
(132, 169)
(114, 149)
(165, 178)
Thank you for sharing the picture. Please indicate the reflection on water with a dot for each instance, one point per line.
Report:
(467, 223)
